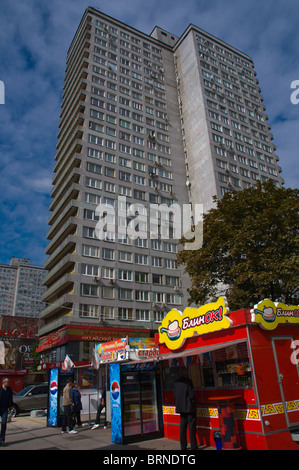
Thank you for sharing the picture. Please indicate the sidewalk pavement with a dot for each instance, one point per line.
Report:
(31, 433)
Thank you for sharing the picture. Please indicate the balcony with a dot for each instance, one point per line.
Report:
(63, 284)
(64, 302)
(73, 178)
(67, 246)
(69, 228)
(71, 194)
(63, 267)
(69, 211)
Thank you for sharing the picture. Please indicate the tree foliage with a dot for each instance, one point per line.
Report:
(250, 245)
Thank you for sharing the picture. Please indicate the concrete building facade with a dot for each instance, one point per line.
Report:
(146, 120)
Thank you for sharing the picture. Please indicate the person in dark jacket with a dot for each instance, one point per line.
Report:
(186, 405)
(101, 407)
(77, 405)
(5, 404)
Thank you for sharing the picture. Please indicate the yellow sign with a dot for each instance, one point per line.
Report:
(271, 314)
(177, 326)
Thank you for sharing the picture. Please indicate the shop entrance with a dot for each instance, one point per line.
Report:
(288, 378)
(142, 410)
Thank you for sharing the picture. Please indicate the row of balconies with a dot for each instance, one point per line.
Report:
(76, 120)
(69, 228)
(63, 283)
(72, 159)
(66, 246)
(85, 24)
(69, 211)
(72, 176)
(65, 265)
(71, 81)
(63, 303)
(71, 194)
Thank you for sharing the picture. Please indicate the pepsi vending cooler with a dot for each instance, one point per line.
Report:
(57, 382)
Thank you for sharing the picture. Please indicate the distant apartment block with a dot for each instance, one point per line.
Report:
(21, 289)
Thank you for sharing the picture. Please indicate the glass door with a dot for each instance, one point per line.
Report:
(131, 404)
(141, 408)
(149, 402)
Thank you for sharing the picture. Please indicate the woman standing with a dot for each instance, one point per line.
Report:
(77, 405)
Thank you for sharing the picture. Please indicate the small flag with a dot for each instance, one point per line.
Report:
(67, 364)
(95, 360)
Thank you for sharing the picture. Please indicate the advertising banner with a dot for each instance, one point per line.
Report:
(177, 326)
(53, 398)
(115, 395)
(271, 314)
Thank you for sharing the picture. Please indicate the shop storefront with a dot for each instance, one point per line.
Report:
(243, 363)
(17, 336)
(78, 343)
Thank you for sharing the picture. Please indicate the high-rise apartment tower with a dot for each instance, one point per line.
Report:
(145, 120)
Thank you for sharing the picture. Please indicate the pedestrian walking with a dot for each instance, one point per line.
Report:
(77, 405)
(186, 406)
(5, 404)
(67, 408)
(101, 406)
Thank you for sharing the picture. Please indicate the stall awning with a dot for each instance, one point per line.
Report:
(202, 350)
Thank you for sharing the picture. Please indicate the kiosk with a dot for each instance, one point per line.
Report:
(135, 389)
(245, 362)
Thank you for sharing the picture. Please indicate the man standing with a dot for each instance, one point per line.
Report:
(67, 403)
(5, 404)
(186, 405)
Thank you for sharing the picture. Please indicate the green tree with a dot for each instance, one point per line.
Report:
(250, 245)
(35, 356)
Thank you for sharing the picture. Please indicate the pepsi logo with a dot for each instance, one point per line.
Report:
(53, 388)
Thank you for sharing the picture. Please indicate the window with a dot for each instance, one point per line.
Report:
(107, 253)
(173, 299)
(108, 273)
(142, 315)
(125, 275)
(89, 270)
(141, 259)
(141, 277)
(107, 313)
(93, 183)
(125, 294)
(157, 262)
(92, 167)
(89, 250)
(125, 256)
(142, 296)
(107, 292)
(89, 290)
(157, 279)
(125, 314)
(88, 311)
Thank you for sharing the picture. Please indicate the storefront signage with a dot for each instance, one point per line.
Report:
(271, 314)
(113, 356)
(111, 346)
(177, 327)
(112, 351)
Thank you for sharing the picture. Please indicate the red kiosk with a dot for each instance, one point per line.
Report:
(245, 370)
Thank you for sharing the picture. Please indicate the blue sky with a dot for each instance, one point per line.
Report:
(34, 38)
